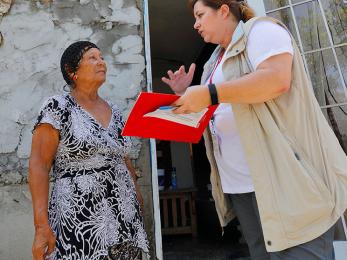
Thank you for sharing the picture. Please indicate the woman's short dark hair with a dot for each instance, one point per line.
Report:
(240, 9)
(72, 56)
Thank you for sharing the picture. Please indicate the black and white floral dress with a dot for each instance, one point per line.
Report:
(93, 204)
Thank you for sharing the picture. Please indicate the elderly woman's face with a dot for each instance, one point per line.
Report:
(92, 67)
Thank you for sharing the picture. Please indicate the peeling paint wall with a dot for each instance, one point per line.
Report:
(5, 6)
(33, 35)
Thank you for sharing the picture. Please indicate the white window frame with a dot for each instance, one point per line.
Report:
(331, 43)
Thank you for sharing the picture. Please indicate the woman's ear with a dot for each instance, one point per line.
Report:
(225, 10)
(69, 71)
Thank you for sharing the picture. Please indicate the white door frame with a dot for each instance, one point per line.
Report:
(153, 150)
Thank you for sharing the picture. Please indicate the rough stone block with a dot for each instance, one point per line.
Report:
(11, 131)
(16, 225)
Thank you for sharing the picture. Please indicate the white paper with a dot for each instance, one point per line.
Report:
(192, 119)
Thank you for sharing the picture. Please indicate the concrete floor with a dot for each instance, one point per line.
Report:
(187, 248)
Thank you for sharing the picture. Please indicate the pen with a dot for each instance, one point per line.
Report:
(166, 108)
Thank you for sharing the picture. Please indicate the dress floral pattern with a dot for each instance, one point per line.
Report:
(93, 204)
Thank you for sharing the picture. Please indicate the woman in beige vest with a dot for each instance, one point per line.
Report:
(274, 160)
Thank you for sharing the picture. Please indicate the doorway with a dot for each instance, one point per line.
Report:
(189, 223)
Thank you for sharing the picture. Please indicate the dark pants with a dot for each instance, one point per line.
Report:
(246, 209)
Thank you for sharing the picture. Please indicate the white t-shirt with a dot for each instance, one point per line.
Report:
(230, 156)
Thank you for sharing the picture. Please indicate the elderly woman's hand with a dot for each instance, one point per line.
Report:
(140, 200)
(44, 242)
(195, 99)
(180, 80)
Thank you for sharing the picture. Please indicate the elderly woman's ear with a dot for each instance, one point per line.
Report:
(69, 71)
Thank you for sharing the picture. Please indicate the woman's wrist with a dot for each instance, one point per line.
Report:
(181, 93)
(213, 94)
(181, 90)
(42, 226)
(41, 218)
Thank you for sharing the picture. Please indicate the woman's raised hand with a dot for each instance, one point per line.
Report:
(179, 80)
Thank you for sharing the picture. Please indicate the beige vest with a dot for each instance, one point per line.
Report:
(298, 168)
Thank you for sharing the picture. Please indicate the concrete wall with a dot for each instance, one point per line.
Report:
(33, 35)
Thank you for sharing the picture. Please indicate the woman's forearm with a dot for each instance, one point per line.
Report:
(271, 79)
(132, 173)
(39, 188)
(133, 176)
(259, 86)
(43, 149)
(130, 168)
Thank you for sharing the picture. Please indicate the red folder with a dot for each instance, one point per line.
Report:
(150, 127)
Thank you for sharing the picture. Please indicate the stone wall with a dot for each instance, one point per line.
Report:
(33, 35)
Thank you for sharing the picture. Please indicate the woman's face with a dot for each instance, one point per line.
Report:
(92, 67)
(208, 22)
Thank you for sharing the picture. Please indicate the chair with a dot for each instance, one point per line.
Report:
(177, 210)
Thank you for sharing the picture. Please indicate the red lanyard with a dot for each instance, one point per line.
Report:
(218, 61)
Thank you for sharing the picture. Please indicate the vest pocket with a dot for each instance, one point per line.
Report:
(308, 199)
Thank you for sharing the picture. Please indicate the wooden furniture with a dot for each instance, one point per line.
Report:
(177, 210)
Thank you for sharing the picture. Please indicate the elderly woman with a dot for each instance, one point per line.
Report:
(274, 159)
(94, 208)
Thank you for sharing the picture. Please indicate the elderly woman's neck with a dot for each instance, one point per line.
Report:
(90, 94)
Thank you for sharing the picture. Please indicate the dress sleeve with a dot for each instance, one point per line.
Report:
(50, 113)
